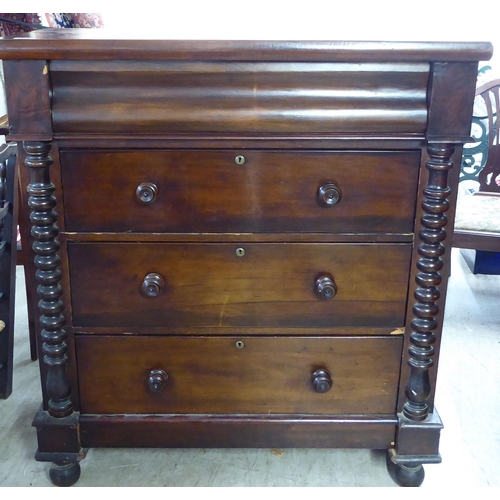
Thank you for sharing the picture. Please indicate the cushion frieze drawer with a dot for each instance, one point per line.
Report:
(139, 285)
(238, 375)
(238, 97)
(239, 191)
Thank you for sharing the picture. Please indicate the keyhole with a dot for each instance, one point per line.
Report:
(240, 252)
(240, 160)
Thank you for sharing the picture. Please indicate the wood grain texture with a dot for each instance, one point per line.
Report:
(206, 191)
(239, 98)
(209, 285)
(103, 44)
(239, 237)
(266, 376)
(357, 116)
(27, 91)
(57, 436)
(452, 98)
(231, 431)
(477, 240)
(317, 142)
(220, 331)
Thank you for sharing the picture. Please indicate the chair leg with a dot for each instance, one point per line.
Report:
(8, 218)
(23, 259)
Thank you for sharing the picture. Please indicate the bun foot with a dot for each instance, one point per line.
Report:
(405, 475)
(64, 473)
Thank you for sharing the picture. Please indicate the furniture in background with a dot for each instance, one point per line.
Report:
(477, 221)
(22, 254)
(250, 248)
(8, 248)
(14, 24)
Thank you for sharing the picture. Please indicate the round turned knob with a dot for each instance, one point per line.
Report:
(152, 285)
(321, 381)
(329, 194)
(325, 287)
(157, 380)
(146, 192)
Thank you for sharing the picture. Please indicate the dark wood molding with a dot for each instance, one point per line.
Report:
(476, 240)
(105, 44)
(418, 439)
(451, 83)
(27, 90)
(58, 438)
(258, 431)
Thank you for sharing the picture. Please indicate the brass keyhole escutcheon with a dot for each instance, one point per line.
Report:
(239, 344)
(240, 160)
(240, 252)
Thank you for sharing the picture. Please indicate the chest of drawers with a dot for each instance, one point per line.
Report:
(239, 244)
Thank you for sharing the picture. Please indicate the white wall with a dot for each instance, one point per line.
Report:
(391, 20)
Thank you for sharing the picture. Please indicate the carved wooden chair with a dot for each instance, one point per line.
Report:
(20, 252)
(8, 249)
(477, 221)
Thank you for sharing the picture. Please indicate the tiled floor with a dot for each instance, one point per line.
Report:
(468, 400)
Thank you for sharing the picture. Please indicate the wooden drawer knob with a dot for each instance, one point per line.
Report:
(325, 287)
(329, 194)
(152, 285)
(157, 380)
(322, 381)
(146, 192)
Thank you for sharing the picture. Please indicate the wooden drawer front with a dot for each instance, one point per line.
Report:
(271, 285)
(213, 375)
(238, 97)
(207, 191)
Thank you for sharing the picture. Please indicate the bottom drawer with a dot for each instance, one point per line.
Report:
(273, 375)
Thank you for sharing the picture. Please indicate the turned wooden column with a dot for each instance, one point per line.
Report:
(428, 279)
(44, 230)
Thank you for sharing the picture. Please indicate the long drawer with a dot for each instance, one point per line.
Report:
(244, 98)
(239, 191)
(279, 375)
(134, 285)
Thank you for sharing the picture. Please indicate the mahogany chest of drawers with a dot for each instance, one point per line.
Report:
(239, 244)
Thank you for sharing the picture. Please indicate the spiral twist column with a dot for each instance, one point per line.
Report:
(44, 230)
(428, 279)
